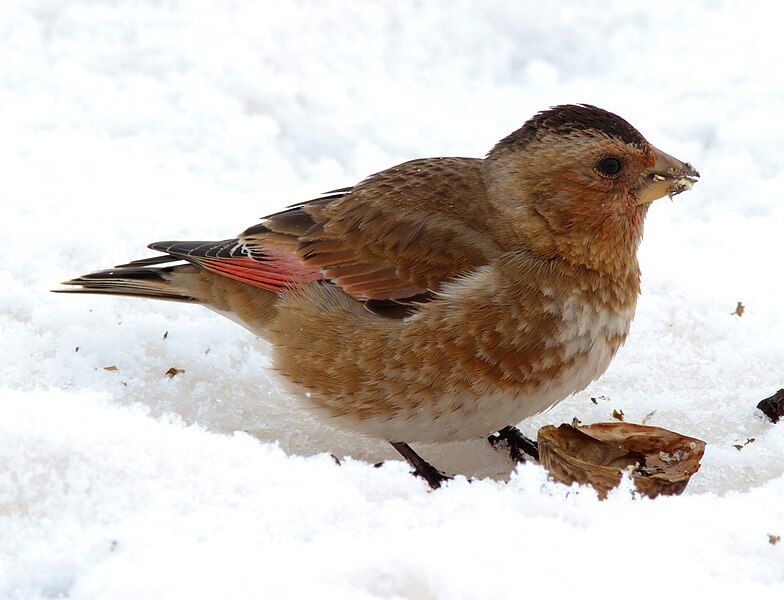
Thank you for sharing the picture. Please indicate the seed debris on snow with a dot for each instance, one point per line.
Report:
(748, 441)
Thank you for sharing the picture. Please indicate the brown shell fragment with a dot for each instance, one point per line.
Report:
(659, 461)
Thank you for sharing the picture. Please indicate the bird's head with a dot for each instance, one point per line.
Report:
(577, 181)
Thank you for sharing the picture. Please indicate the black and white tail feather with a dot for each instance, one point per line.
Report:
(145, 278)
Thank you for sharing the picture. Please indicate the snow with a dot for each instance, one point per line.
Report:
(124, 123)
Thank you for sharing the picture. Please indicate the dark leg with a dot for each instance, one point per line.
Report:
(517, 444)
(422, 468)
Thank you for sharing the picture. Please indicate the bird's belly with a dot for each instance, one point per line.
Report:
(463, 414)
(444, 375)
(583, 348)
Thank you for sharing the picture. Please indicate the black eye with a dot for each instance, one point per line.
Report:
(610, 166)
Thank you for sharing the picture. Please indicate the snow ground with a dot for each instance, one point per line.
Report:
(122, 123)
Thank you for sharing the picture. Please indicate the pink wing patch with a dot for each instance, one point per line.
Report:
(276, 272)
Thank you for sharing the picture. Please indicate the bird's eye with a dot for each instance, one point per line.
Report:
(610, 166)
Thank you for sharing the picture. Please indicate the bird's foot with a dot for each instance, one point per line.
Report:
(433, 476)
(516, 444)
(422, 468)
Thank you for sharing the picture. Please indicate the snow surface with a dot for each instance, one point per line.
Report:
(123, 123)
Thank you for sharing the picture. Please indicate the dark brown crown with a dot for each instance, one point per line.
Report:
(569, 118)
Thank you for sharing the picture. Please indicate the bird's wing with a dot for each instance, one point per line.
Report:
(398, 234)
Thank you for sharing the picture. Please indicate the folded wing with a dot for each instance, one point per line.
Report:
(398, 234)
(388, 241)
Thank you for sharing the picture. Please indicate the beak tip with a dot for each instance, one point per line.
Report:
(668, 177)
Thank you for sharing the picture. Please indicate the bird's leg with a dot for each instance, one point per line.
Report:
(517, 444)
(422, 468)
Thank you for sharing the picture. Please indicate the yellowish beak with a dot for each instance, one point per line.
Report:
(667, 177)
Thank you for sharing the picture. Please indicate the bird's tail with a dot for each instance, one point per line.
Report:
(135, 279)
(237, 290)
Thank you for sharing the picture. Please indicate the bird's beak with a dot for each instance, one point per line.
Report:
(667, 177)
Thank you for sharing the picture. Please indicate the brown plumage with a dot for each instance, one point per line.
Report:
(444, 298)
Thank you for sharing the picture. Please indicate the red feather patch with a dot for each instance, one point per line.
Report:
(276, 273)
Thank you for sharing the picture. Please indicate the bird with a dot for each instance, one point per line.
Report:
(442, 299)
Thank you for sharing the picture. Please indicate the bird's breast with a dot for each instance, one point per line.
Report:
(529, 378)
(589, 333)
